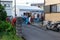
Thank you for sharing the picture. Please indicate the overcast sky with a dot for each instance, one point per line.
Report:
(27, 2)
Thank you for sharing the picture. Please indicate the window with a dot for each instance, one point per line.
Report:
(4, 5)
(47, 9)
(58, 8)
(52, 8)
(8, 5)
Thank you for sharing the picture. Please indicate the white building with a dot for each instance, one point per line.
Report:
(40, 5)
(8, 6)
(28, 9)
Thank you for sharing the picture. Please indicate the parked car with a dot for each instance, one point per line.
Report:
(54, 26)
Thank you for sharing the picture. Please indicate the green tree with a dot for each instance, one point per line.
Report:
(3, 13)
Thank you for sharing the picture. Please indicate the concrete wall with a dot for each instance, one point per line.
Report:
(52, 17)
(50, 2)
(8, 6)
(19, 26)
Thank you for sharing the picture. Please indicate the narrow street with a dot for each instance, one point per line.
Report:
(33, 33)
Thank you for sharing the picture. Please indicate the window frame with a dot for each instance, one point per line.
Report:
(50, 10)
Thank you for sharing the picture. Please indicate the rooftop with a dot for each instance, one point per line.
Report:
(6, 0)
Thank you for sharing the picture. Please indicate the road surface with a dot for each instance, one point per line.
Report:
(33, 33)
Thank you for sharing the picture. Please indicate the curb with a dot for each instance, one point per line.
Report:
(39, 27)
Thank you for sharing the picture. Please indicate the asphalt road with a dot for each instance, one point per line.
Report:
(33, 33)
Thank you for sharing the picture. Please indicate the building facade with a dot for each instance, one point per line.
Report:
(8, 6)
(40, 5)
(52, 10)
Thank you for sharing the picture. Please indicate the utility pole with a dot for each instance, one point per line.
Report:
(43, 13)
(0, 1)
(15, 8)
